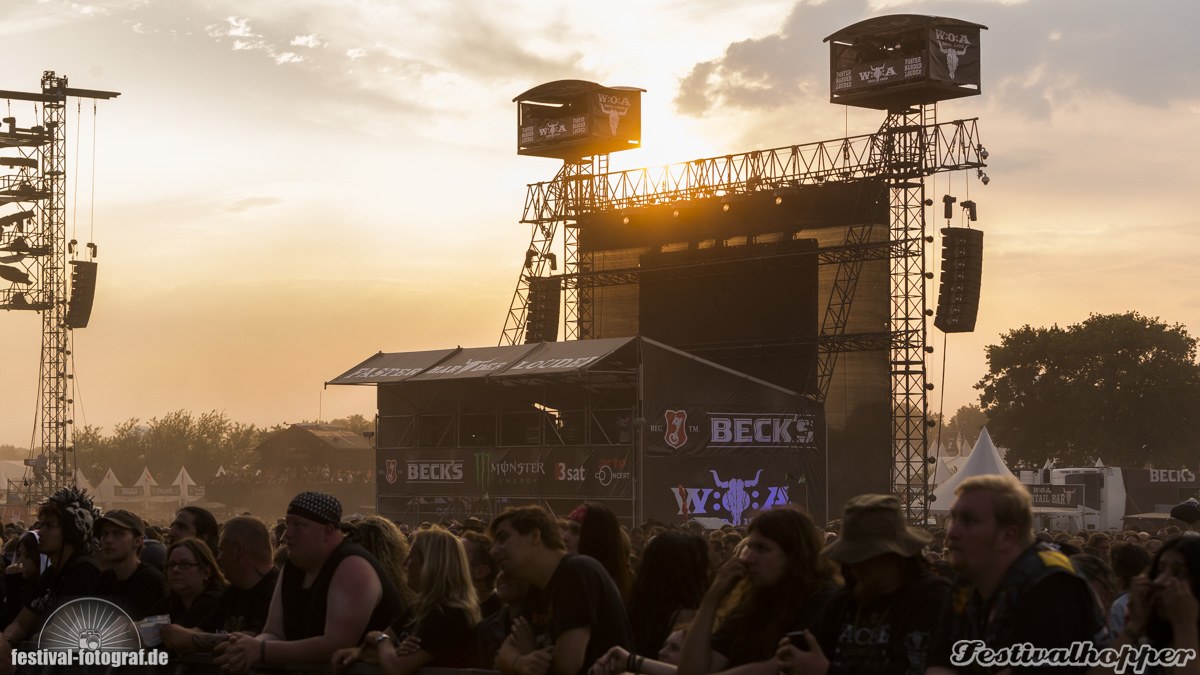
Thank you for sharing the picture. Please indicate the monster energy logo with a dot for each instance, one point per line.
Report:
(482, 475)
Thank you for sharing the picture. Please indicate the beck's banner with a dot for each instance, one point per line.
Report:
(518, 473)
(727, 466)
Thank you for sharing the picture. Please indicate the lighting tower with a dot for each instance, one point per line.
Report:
(35, 239)
(904, 64)
(580, 123)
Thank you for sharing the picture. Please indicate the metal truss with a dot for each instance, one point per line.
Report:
(951, 146)
(556, 206)
(909, 146)
(909, 151)
(42, 231)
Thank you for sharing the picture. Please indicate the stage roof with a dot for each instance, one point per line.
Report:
(519, 361)
(543, 358)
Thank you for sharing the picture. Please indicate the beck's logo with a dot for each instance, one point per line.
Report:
(392, 472)
(676, 432)
(436, 472)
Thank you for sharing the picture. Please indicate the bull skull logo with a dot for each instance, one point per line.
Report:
(615, 112)
(735, 500)
(952, 55)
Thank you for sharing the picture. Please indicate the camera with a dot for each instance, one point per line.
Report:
(89, 639)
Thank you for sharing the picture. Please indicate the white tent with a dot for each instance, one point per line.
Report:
(146, 480)
(187, 486)
(82, 483)
(106, 488)
(984, 460)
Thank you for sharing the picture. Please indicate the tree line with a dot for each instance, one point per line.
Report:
(1120, 388)
(201, 442)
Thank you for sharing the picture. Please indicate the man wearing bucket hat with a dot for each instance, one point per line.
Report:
(884, 619)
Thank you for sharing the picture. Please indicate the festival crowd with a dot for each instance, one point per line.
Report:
(529, 594)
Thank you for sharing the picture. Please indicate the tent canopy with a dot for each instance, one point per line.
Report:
(984, 460)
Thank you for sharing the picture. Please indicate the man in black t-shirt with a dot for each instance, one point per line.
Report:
(133, 585)
(573, 605)
(244, 553)
(882, 622)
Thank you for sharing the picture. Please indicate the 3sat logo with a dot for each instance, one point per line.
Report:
(564, 472)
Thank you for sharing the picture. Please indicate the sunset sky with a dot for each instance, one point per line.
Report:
(285, 187)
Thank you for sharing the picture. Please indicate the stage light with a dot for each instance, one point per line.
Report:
(982, 176)
(553, 261)
(778, 200)
(625, 220)
(725, 207)
(675, 213)
(948, 206)
(970, 207)
(529, 256)
(983, 153)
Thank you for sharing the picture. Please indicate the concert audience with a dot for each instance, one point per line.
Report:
(21, 577)
(574, 611)
(244, 555)
(439, 628)
(383, 540)
(127, 581)
(1013, 589)
(595, 531)
(194, 521)
(194, 583)
(780, 559)
(331, 592)
(483, 570)
(493, 629)
(1164, 605)
(670, 583)
(882, 620)
(1128, 561)
(66, 521)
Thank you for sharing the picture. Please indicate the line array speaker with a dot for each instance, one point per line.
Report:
(83, 292)
(541, 324)
(962, 271)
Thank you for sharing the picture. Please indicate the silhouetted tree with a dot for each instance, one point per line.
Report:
(1120, 387)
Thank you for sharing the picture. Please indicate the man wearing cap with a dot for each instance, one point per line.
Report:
(1014, 590)
(884, 619)
(330, 593)
(130, 583)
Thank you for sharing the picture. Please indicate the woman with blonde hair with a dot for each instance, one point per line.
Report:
(439, 630)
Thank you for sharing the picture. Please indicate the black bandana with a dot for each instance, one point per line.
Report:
(317, 507)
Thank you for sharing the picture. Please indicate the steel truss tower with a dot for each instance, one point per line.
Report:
(909, 146)
(51, 467)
